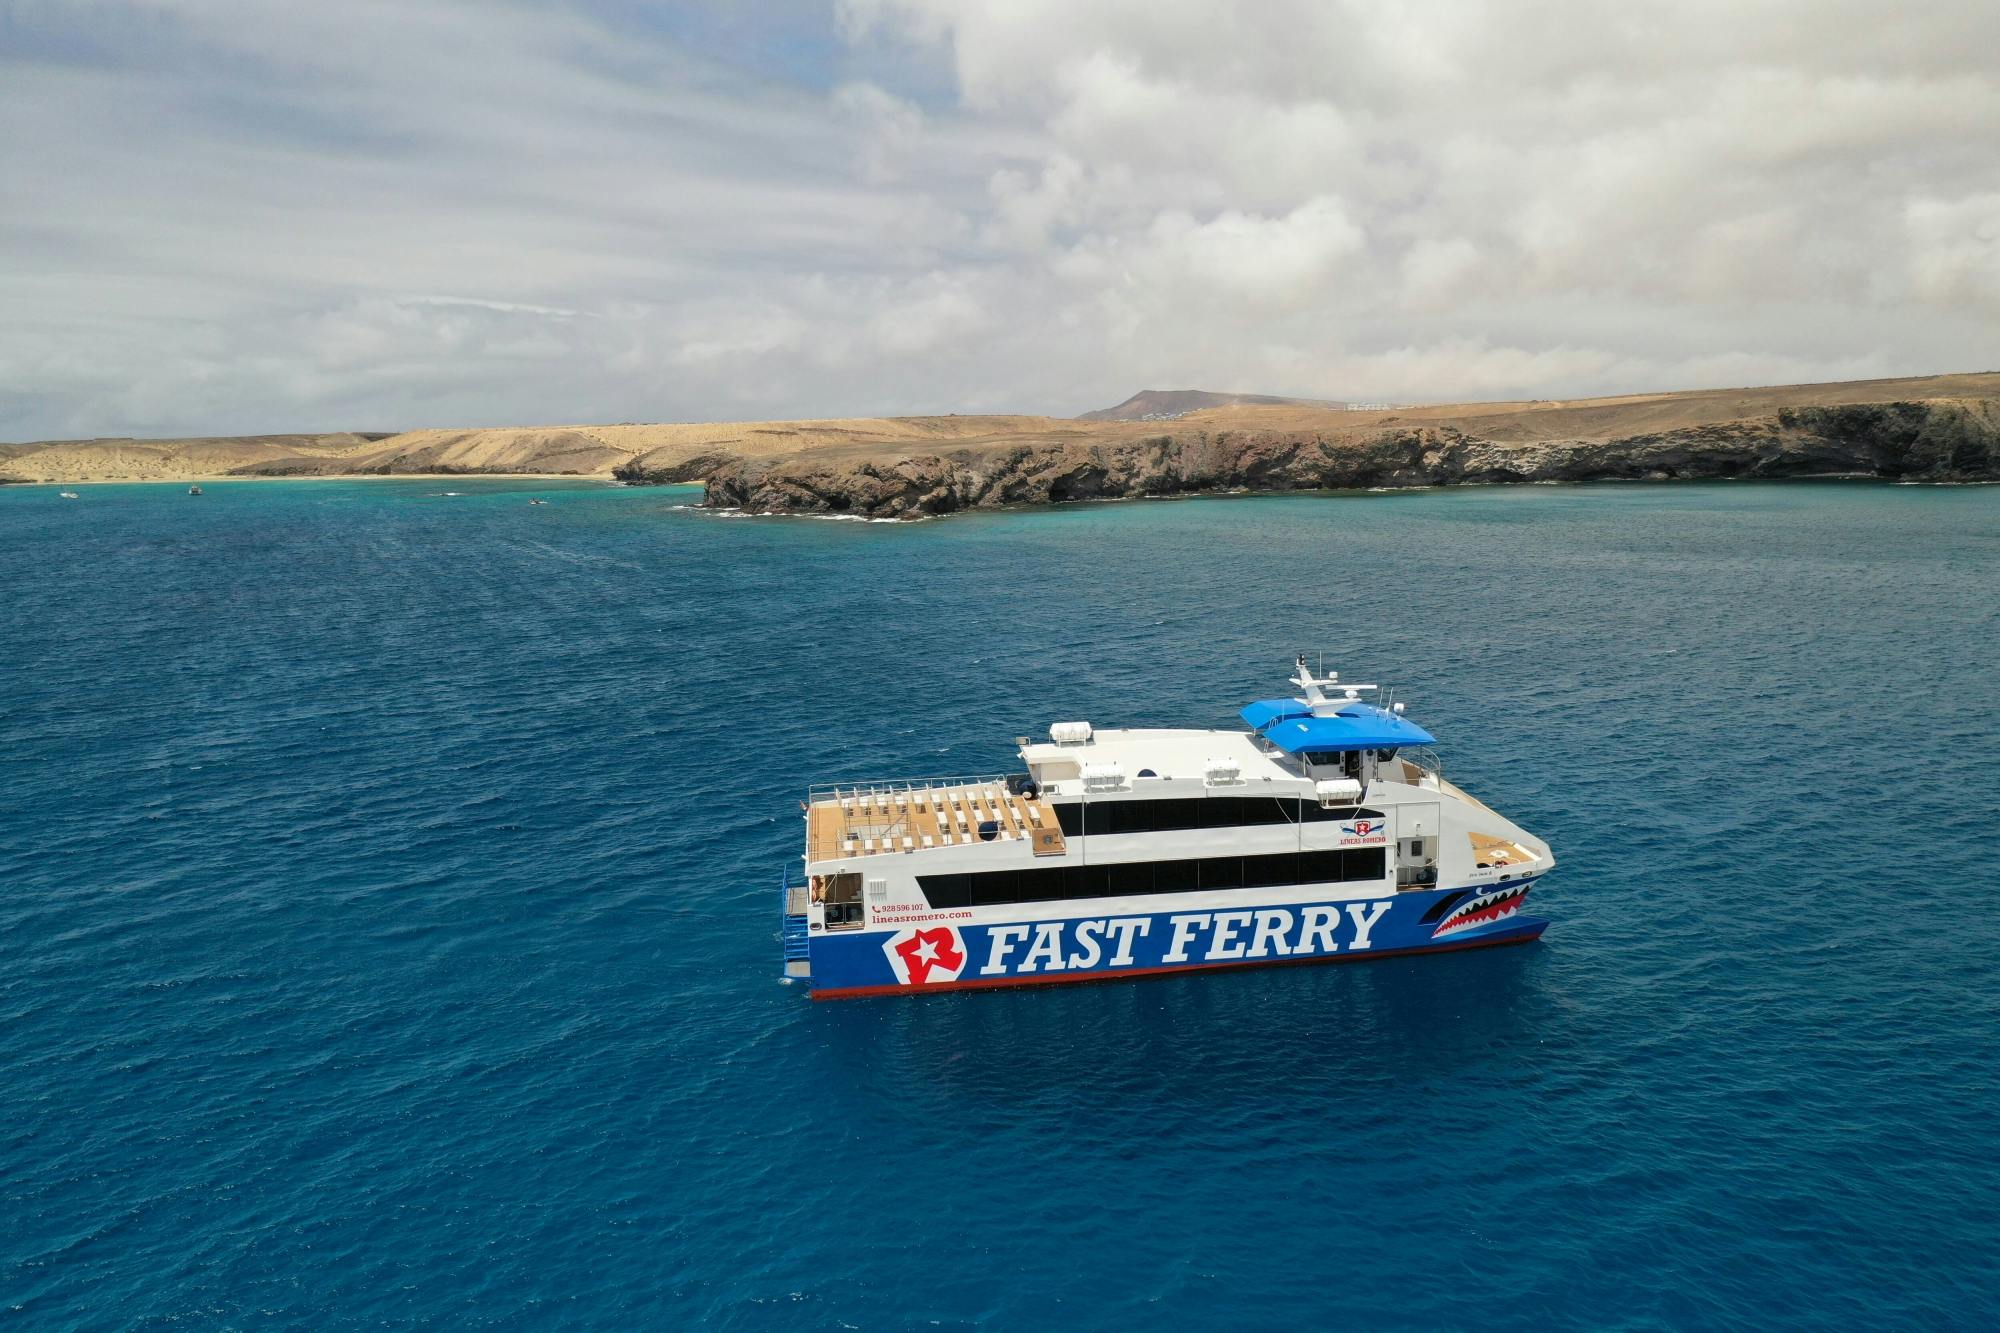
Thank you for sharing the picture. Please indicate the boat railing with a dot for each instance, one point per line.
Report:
(1424, 763)
(890, 790)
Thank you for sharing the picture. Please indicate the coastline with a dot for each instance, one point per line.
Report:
(1336, 492)
(1939, 428)
(205, 479)
(1940, 440)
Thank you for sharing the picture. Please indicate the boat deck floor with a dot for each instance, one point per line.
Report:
(869, 821)
(1490, 851)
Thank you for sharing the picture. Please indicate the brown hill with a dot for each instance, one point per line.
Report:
(125, 459)
(601, 451)
(1172, 404)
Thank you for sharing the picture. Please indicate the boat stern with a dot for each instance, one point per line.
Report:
(794, 932)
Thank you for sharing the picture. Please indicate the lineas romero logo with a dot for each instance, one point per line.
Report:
(921, 956)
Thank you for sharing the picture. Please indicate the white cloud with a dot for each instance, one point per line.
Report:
(227, 215)
(1437, 271)
(1029, 207)
(1955, 250)
(1240, 258)
(890, 128)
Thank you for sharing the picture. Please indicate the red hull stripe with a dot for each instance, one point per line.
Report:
(989, 983)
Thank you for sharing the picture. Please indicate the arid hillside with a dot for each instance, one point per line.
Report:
(533, 450)
(1936, 427)
(122, 459)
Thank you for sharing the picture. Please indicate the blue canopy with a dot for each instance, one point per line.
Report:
(1266, 711)
(1356, 727)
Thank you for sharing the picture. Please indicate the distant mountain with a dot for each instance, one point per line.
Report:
(1167, 404)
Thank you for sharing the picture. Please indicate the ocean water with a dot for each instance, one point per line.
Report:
(388, 917)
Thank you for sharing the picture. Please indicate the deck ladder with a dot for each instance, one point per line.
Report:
(793, 931)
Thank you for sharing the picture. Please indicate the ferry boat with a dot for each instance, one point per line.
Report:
(1324, 831)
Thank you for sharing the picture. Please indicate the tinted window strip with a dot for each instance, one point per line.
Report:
(1132, 878)
(1167, 814)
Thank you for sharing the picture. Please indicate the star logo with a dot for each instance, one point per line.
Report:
(922, 956)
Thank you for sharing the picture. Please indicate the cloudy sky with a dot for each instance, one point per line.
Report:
(234, 215)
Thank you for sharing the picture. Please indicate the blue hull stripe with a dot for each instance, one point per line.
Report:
(942, 953)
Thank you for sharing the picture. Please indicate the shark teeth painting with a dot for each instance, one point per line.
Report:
(1483, 910)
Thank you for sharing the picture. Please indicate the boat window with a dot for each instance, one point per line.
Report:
(1263, 872)
(947, 890)
(1127, 878)
(1132, 877)
(1003, 886)
(1222, 812)
(1319, 867)
(1081, 881)
(1190, 812)
(1132, 816)
(1222, 872)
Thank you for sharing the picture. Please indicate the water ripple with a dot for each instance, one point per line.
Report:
(388, 934)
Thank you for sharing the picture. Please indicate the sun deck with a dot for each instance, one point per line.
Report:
(1488, 850)
(872, 820)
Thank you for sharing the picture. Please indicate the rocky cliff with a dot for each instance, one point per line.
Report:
(1933, 440)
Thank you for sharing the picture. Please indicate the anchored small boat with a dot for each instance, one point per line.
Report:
(194, 490)
(68, 495)
(1324, 831)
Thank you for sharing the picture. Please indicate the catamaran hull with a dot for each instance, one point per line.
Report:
(941, 955)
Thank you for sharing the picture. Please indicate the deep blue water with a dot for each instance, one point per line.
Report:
(388, 917)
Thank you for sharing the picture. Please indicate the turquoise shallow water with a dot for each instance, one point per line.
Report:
(388, 917)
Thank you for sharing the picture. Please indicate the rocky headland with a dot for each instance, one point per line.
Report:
(1936, 440)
